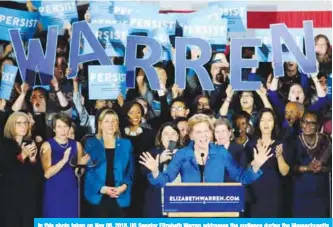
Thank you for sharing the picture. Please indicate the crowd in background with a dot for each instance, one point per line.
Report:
(46, 133)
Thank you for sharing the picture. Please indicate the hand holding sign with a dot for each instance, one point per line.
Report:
(24, 88)
(30, 6)
(3, 103)
(55, 84)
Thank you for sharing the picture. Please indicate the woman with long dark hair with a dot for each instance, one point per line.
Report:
(168, 137)
(267, 192)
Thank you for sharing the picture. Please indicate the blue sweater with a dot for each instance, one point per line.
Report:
(123, 170)
(219, 160)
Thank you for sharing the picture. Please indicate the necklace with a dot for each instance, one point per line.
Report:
(62, 146)
(307, 145)
(130, 133)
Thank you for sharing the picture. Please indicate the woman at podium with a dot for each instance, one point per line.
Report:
(203, 161)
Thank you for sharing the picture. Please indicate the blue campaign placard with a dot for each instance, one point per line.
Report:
(264, 53)
(7, 81)
(113, 38)
(204, 26)
(120, 7)
(235, 12)
(106, 82)
(58, 13)
(25, 21)
(208, 198)
(162, 36)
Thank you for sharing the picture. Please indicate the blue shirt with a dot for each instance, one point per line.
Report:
(218, 160)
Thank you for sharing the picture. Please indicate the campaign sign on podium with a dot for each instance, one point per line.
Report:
(204, 199)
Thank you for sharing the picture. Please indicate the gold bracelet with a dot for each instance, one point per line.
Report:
(305, 169)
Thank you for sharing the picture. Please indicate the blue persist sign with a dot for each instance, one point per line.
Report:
(235, 12)
(10, 18)
(7, 81)
(106, 82)
(58, 13)
(198, 25)
(205, 198)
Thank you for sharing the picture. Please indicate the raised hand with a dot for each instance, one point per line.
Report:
(87, 16)
(30, 6)
(120, 100)
(229, 91)
(260, 156)
(149, 162)
(66, 154)
(3, 103)
(24, 88)
(8, 49)
(55, 84)
(262, 91)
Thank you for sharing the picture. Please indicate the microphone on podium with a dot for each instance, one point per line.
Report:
(202, 158)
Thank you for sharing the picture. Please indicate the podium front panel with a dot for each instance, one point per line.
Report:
(204, 198)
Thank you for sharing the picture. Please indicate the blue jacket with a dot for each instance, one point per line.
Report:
(218, 160)
(123, 170)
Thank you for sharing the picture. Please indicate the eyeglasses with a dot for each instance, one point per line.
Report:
(312, 124)
(20, 123)
(321, 44)
(179, 108)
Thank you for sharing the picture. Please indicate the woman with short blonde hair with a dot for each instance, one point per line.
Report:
(19, 171)
(201, 160)
(101, 117)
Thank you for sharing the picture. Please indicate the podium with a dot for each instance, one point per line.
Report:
(203, 199)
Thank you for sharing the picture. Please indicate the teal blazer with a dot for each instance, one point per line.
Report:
(123, 170)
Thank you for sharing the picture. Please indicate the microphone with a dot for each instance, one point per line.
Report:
(202, 158)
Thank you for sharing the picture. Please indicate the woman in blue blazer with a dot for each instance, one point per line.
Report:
(108, 185)
(202, 161)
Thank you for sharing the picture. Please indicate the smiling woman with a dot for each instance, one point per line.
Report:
(202, 161)
(142, 140)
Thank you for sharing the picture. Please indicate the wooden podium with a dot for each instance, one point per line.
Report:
(206, 187)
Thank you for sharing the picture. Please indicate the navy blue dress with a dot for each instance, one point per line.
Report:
(237, 152)
(61, 191)
(266, 193)
(311, 190)
(152, 207)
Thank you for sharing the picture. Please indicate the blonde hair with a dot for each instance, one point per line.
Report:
(10, 130)
(224, 121)
(199, 118)
(101, 118)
